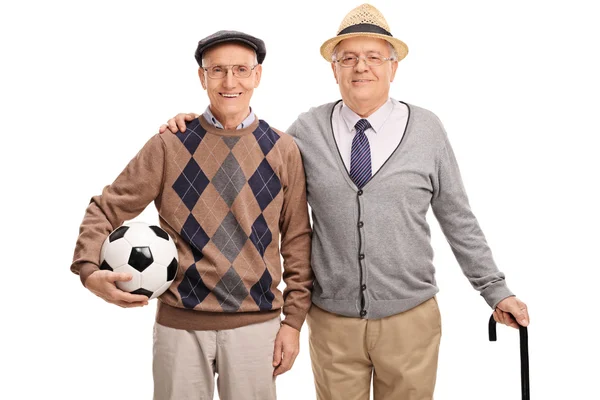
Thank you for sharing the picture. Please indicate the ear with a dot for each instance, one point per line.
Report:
(202, 76)
(333, 65)
(394, 68)
(257, 75)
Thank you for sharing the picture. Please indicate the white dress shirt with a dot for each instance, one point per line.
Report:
(387, 128)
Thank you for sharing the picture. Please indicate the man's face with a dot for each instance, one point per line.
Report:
(367, 86)
(230, 95)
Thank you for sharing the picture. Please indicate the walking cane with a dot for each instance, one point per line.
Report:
(524, 355)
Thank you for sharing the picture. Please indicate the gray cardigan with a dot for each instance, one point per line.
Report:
(371, 250)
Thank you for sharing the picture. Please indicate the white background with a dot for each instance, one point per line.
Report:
(85, 84)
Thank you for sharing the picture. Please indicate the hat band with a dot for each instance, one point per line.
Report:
(364, 28)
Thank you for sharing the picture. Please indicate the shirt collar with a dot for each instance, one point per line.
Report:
(211, 119)
(377, 119)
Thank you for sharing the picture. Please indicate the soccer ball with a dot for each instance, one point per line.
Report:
(146, 252)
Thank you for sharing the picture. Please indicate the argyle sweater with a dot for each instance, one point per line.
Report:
(225, 197)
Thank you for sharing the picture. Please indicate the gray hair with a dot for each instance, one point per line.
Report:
(393, 52)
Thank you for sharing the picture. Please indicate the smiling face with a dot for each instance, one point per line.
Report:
(364, 88)
(230, 96)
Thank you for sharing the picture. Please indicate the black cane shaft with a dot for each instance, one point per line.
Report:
(524, 355)
(524, 363)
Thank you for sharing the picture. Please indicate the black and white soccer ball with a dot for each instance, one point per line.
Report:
(146, 252)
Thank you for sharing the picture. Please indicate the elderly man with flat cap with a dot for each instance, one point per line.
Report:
(226, 191)
(374, 166)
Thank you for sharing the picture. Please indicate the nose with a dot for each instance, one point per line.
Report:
(361, 65)
(229, 80)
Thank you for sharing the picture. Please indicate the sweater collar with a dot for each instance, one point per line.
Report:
(210, 128)
(211, 119)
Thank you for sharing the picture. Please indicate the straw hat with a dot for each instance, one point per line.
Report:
(364, 20)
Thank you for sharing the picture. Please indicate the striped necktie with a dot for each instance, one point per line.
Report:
(360, 156)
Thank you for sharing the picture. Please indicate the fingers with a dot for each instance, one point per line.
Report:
(510, 321)
(505, 318)
(510, 310)
(172, 125)
(289, 356)
(526, 321)
(277, 352)
(177, 123)
(520, 313)
(120, 296)
(131, 298)
(126, 300)
(279, 370)
(496, 317)
(103, 285)
(124, 304)
(285, 366)
(181, 125)
(119, 277)
(516, 308)
(180, 122)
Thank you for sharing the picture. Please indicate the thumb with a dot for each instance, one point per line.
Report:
(519, 312)
(121, 276)
(190, 117)
(277, 352)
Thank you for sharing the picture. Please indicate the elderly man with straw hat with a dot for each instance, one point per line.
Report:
(374, 166)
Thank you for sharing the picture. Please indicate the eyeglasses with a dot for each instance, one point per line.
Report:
(220, 71)
(371, 60)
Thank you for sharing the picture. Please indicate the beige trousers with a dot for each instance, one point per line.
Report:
(399, 352)
(185, 363)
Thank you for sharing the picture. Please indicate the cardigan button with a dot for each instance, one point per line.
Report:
(363, 287)
(360, 192)
(361, 256)
(361, 224)
(363, 313)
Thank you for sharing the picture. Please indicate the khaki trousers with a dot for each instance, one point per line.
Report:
(185, 363)
(399, 352)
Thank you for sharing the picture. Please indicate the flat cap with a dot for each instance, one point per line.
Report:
(231, 36)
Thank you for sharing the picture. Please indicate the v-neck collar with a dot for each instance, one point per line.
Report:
(330, 137)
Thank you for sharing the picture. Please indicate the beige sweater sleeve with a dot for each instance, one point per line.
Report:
(124, 199)
(295, 241)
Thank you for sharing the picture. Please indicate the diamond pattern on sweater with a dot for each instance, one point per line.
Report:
(261, 235)
(230, 179)
(230, 237)
(190, 184)
(225, 186)
(261, 292)
(231, 141)
(265, 137)
(193, 135)
(230, 291)
(265, 184)
(192, 289)
(193, 233)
